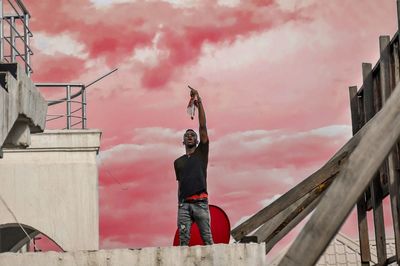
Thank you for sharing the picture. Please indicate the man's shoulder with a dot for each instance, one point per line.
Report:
(203, 145)
(179, 159)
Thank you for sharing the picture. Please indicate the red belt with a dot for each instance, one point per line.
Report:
(200, 196)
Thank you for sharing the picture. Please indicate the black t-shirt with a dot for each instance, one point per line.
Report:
(191, 172)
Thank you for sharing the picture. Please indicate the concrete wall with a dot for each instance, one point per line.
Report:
(221, 255)
(52, 186)
(22, 108)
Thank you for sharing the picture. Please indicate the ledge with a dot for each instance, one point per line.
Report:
(69, 140)
(219, 254)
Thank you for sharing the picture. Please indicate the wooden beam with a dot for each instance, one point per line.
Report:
(393, 160)
(398, 17)
(297, 215)
(396, 65)
(273, 224)
(384, 68)
(375, 186)
(354, 108)
(365, 252)
(330, 169)
(341, 196)
(383, 91)
(281, 220)
(348, 186)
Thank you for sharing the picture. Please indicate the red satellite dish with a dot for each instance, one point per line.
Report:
(220, 229)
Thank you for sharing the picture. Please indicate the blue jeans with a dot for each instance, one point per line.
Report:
(199, 213)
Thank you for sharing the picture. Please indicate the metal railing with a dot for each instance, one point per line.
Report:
(74, 115)
(75, 111)
(15, 34)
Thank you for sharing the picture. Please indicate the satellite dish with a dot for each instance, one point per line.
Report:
(220, 229)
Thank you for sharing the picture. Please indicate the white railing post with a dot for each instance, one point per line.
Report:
(68, 107)
(12, 38)
(83, 107)
(26, 45)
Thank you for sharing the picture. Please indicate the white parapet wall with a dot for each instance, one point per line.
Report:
(218, 255)
(52, 186)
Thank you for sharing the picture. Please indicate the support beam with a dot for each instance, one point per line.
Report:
(330, 169)
(393, 160)
(348, 186)
(279, 222)
(296, 216)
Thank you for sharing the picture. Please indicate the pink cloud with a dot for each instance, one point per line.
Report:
(58, 68)
(114, 39)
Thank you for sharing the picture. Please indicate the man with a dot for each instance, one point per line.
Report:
(191, 174)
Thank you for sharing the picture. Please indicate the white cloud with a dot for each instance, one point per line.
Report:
(241, 220)
(108, 3)
(157, 134)
(150, 55)
(229, 3)
(258, 139)
(290, 5)
(332, 131)
(147, 143)
(272, 46)
(182, 3)
(268, 201)
(136, 152)
(60, 43)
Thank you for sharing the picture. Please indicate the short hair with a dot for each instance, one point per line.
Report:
(191, 130)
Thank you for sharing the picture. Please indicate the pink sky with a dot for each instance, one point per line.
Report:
(273, 76)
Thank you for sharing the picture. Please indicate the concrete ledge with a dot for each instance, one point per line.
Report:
(21, 103)
(220, 254)
(62, 140)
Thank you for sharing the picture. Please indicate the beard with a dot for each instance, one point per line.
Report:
(191, 145)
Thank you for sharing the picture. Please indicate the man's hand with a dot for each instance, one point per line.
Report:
(194, 94)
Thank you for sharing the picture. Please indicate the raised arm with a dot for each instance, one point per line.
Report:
(202, 116)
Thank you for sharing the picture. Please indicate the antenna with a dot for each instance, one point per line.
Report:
(105, 75)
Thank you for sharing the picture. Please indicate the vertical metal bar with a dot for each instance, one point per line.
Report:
(83, 91)
(26, 42)
(12, 39)
(1, 32)
(68, 106)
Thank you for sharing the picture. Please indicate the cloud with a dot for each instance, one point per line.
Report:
(271, 148)
(290, 5)
(268, 201)
(108, 3)
(229, 3)
(180, 42)
(59, 68)
(60, 44)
